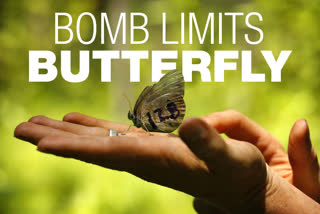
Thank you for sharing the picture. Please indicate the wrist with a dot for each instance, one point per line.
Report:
(282, 197)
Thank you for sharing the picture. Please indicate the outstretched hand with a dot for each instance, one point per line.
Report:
(231, 175)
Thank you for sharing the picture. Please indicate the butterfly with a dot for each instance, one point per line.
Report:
(160, 107)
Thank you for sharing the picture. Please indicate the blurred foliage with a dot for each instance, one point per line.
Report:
(31, 182)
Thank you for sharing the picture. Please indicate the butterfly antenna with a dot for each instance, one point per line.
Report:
(126, 97)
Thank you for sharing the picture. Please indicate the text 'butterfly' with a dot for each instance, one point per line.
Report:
(160, 107)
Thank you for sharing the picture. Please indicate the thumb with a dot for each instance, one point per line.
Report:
(203, 140)
(303, 160)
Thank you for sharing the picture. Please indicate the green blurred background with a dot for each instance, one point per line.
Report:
(31, 182)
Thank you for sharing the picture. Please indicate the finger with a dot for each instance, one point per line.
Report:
(85, 120)
(160, 160)
(303, 160)
(106, 151)
(237, 126)
(125, 149)
(69, 127)
(204, 141)
(203, 207)
(207, 144)
(33, 133)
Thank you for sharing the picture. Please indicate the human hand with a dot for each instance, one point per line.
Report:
(299, 167)
(211, 170)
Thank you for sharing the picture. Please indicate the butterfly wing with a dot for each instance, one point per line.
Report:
(164, 114)
(146, 91)
(172, 83)
(161, 107)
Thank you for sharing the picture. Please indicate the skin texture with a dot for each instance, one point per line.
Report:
(247, 173)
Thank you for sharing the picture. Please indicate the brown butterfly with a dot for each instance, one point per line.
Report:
(160, 107)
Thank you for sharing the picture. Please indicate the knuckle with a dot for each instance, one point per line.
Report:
(37, 118)
(70, 116)
(233, 113)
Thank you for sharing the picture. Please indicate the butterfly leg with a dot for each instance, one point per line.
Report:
(128, 129)
(124, 133)
(146, 129)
